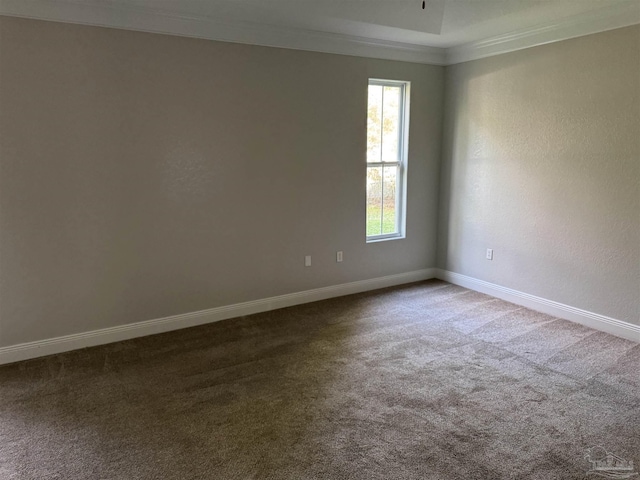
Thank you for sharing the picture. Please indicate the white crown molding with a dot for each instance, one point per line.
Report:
(593, 320)
(171, 23)
(618, 16)
(160, 21)
(26, 351)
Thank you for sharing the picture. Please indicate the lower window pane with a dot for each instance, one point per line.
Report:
(374, 201)
(389, 199)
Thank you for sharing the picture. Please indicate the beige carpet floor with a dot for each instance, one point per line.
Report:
(425, 381)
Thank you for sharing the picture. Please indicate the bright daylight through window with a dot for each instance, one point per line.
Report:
(387, 129)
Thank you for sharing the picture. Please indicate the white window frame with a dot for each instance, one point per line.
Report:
(401, 163)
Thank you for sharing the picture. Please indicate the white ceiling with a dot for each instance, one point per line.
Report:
(446, 31)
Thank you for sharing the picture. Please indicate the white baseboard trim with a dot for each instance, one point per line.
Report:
(560, 310)
(26, 351)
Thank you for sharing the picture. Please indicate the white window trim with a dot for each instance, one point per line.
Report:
(402, 163)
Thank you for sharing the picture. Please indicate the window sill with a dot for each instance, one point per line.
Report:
(385, 238)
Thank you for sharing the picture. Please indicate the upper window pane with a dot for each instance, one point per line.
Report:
(374, 124)
(391, 114)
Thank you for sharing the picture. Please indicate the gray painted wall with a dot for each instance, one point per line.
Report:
(143, 175)
(541, 162)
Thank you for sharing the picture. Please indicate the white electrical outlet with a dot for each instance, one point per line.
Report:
(339, 257)
(489, 253)
(307, 261)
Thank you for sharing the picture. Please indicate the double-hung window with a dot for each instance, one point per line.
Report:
(387, 142)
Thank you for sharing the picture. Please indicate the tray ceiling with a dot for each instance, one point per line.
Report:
(446, 31)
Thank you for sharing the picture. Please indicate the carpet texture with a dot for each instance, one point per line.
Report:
(424, 381)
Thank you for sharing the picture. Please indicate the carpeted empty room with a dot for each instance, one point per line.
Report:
(423, 381)
(319, 239)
